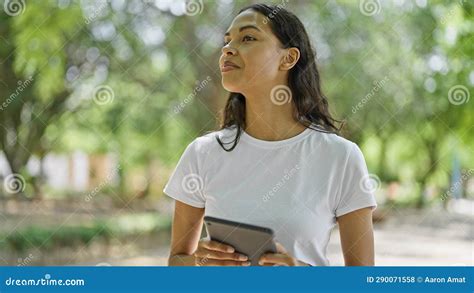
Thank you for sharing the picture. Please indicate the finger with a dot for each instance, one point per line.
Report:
(215, 262)
(276, 258)
(269, 264)
(280, 248)
(214, 245)
(266, 264)
(267, 257)
(205, 253)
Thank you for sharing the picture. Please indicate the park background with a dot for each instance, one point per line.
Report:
(98, 100)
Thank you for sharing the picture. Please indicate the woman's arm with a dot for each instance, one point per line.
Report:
(357, 237)
(185, 234)
(187, 249)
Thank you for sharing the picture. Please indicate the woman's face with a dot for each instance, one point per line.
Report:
(251, 55)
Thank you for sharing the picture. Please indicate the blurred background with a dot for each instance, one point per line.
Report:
(98, 100)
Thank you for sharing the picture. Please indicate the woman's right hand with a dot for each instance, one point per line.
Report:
(213, 253)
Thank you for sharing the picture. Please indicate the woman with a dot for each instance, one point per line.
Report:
(276, 161)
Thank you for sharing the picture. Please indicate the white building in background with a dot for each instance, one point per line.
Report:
(77, 171)
(80, 178)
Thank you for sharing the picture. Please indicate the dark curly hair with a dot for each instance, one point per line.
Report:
(310, 104)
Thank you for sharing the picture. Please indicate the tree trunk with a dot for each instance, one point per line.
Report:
(382, 173)
(15, 168)
(432, 148)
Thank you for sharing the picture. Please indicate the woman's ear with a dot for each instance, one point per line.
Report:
(290, 58)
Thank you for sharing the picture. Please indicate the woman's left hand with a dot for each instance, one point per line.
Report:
(281, 258)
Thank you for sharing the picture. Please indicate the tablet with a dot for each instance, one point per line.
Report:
(247, 239)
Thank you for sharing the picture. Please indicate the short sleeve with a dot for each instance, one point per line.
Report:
(357, 186)
(186, 182)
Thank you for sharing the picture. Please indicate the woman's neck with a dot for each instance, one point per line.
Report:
(268, 121)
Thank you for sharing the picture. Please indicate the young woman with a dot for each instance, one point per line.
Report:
(276, 161)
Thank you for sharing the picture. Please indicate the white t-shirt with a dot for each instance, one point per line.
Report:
(297, 186)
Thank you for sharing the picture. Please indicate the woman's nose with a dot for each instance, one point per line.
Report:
(228, 50)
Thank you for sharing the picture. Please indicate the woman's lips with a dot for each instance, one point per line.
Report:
(226, 68)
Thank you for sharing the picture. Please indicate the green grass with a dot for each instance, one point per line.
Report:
(47, 238)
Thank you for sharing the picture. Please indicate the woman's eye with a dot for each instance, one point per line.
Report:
(247, 38)
(244, 39)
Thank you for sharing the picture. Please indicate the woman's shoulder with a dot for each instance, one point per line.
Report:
(207, 142)
(334, 143)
